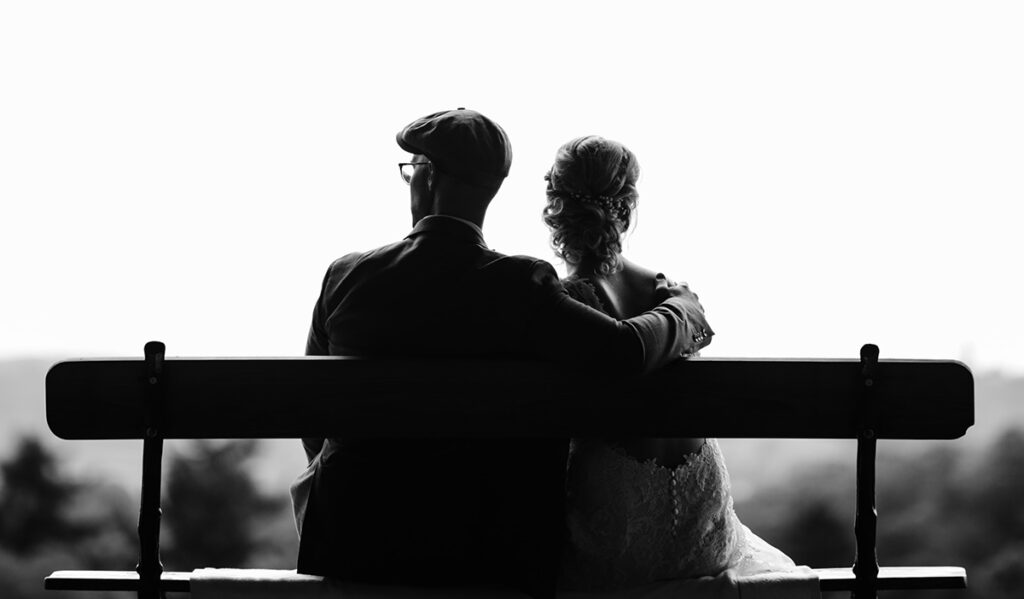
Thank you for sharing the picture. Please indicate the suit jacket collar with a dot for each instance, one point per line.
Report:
(451, 227)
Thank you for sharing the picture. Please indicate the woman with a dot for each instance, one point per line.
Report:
(638, 510)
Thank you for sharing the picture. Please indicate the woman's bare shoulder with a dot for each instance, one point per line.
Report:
(638, 276)
(637, 284)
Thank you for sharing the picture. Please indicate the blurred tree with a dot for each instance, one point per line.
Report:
(1002, 577)
(214, 509)
(111, 515)
(940, 506)
(34, 500)
(915, 501)
(817, 534)
(809, 516)
(995, 490)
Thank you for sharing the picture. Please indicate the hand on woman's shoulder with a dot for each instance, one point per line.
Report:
(637, 279)
(640, 285)
(639, 275)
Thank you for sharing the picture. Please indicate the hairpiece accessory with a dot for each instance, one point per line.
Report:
(607, 202)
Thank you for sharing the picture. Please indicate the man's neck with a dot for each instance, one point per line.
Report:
(475, 226)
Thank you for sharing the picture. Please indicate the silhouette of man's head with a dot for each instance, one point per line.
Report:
(469, 157)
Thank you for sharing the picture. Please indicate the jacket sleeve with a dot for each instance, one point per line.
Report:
(565, 330)
(316, 341)
(317, 345)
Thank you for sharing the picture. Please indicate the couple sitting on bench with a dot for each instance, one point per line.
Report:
(445, 512)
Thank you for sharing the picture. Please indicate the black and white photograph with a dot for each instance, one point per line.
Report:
(565, 299)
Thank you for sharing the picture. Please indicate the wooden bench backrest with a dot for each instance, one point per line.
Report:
(350, 397)
(154, 399)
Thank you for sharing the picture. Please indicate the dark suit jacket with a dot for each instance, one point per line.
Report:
(454, 511)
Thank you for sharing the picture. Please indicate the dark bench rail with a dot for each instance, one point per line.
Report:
(831, 579)
(190, 398)
(309, 397)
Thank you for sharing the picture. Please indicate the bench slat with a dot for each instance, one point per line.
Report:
(831, 579)
(897, 578)
(360, 397)
(112, 580)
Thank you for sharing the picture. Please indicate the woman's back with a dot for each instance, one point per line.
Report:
(622, 294)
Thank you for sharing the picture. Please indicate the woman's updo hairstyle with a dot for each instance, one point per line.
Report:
(591, 197)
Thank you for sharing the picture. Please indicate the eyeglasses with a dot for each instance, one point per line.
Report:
(406, 169)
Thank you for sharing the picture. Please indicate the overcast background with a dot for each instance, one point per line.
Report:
(822, 174)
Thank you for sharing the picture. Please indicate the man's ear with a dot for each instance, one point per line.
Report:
(433, 181)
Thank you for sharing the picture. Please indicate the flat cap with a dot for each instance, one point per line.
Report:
(462, 143)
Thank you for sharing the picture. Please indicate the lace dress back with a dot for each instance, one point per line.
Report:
(633, 522)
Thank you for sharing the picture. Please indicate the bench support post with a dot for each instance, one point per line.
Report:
(865, 565)
(150, 568)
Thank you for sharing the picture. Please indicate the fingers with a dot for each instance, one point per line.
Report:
(664, 291)
(660, 279)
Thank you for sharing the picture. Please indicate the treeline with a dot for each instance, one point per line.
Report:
(214, 516)
(943, 507)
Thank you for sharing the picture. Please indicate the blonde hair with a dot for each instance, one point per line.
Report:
(591, 195)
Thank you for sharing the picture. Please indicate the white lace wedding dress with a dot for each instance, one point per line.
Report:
(633, 522)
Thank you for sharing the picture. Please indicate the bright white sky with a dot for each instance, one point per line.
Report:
(822, 174)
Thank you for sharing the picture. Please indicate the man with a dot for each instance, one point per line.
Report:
(449, 512)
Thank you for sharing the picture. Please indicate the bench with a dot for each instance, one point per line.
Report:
(189, 398)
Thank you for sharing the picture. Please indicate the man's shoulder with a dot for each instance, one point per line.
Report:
(352, 259)
(346, 261)
(488, 263)
(530, 266)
